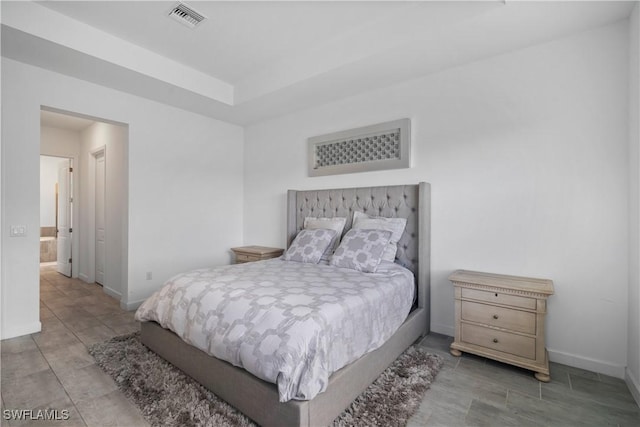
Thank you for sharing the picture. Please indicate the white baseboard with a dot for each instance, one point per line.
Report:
(568, 359)
(112, 293)
(18, 331)
(633, 384)
(130, 306)
(83, 277)
(582, 362)
(439, 328)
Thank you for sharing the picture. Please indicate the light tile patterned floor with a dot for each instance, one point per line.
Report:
(53, 370)
(474, 391)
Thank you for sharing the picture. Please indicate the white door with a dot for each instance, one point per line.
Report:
(64, 218)
(100, 218)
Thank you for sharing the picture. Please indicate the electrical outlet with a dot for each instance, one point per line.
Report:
(149, 275)
(18, 231)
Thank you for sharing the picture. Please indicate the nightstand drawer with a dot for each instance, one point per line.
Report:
(514, 320)
(255, 253)
(245, 258)
(499, 298)
(503, 342)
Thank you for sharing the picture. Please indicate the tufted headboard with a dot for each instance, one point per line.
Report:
(405, 201)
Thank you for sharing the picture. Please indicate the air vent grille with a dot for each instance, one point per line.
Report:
(186, 15)
(376, 147)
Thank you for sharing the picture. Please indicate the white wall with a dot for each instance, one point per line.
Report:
(48, 181)
(184, 193)
(60, 142)
(113, 139)
(527, 156)
(65, 143)
(633, 354)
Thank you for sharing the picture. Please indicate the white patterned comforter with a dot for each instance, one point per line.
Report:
(289, 323)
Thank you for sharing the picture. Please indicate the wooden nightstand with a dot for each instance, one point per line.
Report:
(255, 253)
(502, 318)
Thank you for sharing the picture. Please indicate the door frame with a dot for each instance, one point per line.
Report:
(82, 220)
(91, 211)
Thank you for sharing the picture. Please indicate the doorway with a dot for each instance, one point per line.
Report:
(98, 149)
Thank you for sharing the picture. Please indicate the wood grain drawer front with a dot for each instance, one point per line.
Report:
(504, 342)
(499, 298)
(245, 258)
(514, 320)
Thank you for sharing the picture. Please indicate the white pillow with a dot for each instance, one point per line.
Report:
(395, 225)
(337, 224)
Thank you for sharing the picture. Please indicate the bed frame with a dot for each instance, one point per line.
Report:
(258, 399)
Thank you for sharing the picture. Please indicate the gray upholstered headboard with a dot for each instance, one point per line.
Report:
(406, 201)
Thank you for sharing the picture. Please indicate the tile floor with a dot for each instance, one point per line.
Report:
(474, 391)
(53, 370)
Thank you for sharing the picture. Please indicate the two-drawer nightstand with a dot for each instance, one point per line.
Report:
(255, 253)
(502, 318)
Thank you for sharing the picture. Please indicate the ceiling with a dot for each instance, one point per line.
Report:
(237, 38)
(64, 121)
(251, 60)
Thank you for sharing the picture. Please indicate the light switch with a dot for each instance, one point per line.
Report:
(18, 231)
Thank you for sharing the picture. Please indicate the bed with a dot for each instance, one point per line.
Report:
(259, 399)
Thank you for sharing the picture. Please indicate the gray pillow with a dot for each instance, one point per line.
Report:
(394, 225)
(336, 223)
(361, 250)
(309, 245)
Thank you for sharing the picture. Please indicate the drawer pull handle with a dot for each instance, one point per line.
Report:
(496, 295)
(495, 340)
(495, 316)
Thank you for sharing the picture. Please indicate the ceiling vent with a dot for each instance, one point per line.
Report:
(186, 15)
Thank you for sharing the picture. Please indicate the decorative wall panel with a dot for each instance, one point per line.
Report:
(369, 148)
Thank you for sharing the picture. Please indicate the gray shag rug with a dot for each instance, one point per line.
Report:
(168, 397)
